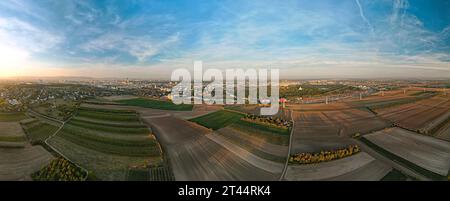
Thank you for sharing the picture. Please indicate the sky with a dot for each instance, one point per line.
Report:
(148, 39)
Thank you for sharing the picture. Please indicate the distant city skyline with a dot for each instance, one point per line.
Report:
(149, 39)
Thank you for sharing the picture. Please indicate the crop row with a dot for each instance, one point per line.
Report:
(108, 123)
(39, 131)
(106, 110)
(147, 147)
(109, 128)
(108, 116)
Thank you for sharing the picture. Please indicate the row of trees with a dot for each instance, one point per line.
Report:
(323, 156)
(272, 121)
(59, 169)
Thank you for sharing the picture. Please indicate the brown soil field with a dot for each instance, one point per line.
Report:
(264, 164)
(253, 141)
(19, 164)
(419, 115)
(361, 166)
(205, 160)
(319, 107)
(317, 144)
(193, 156)
(335, 123)
(427, 152)
(171, 130)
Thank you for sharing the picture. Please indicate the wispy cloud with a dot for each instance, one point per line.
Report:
(20, 34)
(295, 36)
(361, 13)
(141, 47)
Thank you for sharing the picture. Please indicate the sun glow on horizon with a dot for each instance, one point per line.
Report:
(13, 61)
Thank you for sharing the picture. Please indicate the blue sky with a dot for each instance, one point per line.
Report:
(148, 39)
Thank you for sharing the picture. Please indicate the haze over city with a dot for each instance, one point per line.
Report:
(149, 39)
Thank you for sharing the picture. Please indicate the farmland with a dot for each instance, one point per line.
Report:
(19, 164)
(418, 116)
(129, 138)
(155, 104)
(361, 166)
(427, 153)
(18, 159)
(16, 116)
(256, 109)
(314, 90)
(11, 135)
(261, 144)
(328, 129)
(262, 140)
(218, 119)
(443, 131)
(57, 109)
(38, 131)
(194, 154)
(107, 142)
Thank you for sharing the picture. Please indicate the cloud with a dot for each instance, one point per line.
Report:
(361, 13)
(140, 47)
(291, 35)
(20, 34)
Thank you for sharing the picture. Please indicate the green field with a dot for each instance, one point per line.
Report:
(38, 131)
(314, 90)
(58, 109)
(113, 116)
(156, 104)
(110, 145)
(16, 116)
(280, 138)
(266, 128)
(108, 142)
(395, 175)
(121, 112)
(138, 174)
(219, 119)
(12, 138)
(113, 128)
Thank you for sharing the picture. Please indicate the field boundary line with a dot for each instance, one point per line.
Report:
(289, 148)
(61, 154)
(46, 117)
(235, 111)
